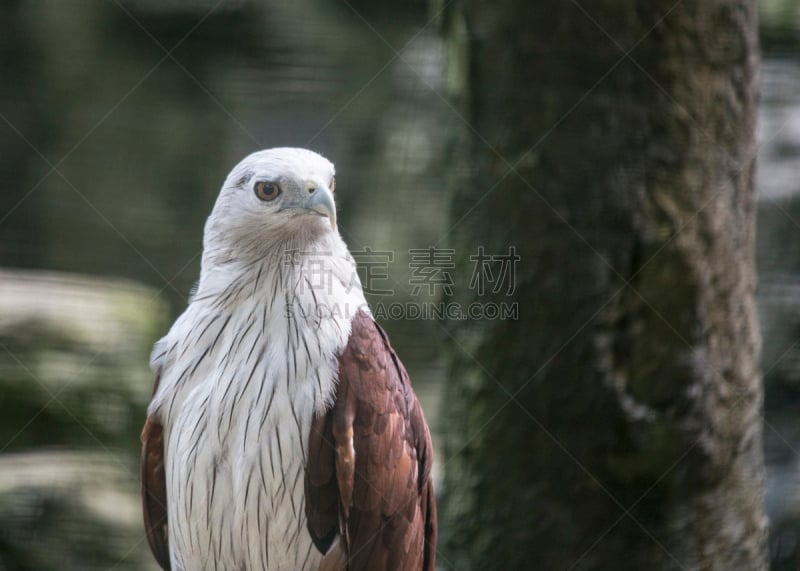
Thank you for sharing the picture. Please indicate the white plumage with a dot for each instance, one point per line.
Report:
(252, 359)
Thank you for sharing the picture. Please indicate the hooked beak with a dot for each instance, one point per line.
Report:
(318, 199)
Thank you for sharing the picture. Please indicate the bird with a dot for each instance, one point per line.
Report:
(283, 431)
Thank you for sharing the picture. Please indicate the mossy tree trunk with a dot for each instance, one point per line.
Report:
(633, 437)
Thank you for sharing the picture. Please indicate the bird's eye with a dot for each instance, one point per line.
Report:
(267, 191)
(332, 186)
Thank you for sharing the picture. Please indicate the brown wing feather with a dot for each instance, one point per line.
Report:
(369, 472)
(154, 489)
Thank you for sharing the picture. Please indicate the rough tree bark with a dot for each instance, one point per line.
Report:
(633, 440)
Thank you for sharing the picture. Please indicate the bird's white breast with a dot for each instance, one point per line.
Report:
(241, 377)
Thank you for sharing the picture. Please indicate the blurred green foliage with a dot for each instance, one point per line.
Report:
(780, 25)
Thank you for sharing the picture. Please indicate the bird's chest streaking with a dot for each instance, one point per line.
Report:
(240, 385)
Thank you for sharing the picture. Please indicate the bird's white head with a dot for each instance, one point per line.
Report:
(272, 198)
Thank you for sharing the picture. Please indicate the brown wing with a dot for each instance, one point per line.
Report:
(154, 489)
(368, 477)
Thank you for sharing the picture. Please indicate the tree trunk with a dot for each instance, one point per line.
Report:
(616, 423)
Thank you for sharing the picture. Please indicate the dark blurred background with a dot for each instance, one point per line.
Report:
(118, 122)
